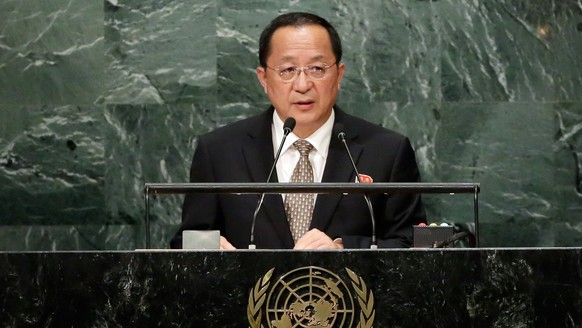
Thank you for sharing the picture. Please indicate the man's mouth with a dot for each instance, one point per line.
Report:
(304, 102)
(304, 105)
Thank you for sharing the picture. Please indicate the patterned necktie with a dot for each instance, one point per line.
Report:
(299, 207)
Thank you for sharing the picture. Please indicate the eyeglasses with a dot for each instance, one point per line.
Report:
(288, 74)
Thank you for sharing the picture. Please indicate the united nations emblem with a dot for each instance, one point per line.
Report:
(310, 297)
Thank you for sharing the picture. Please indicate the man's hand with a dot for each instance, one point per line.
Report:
(225, 244)
(315, 239)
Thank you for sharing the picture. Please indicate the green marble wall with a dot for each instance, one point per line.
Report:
(99, 97)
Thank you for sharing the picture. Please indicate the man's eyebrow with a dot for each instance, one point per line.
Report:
(318, 57)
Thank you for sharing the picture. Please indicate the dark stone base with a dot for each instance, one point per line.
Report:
(411, 288)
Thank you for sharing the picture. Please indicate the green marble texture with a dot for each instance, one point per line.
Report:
(160, 52)
(51, 52)
(52, 165)
(98, 97)
(508, 50)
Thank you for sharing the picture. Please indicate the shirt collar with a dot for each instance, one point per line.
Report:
(319, 139)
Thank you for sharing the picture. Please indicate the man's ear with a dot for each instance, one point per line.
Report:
(262, 76)
(341, 70)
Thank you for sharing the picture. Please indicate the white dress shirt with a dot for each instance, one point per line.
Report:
(290, 156)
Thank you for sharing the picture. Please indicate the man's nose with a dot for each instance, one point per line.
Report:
(302, 83)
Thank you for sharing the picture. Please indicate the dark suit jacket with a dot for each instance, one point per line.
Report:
(243, 152)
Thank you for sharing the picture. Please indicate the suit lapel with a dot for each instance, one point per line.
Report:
(258, 151)
(259, 157)
(337, 169)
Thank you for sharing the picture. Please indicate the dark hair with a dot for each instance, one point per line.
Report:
(297, 19)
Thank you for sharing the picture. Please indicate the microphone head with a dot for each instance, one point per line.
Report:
(338, 130)
(289, 125)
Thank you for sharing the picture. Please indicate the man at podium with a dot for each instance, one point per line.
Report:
(301, 72)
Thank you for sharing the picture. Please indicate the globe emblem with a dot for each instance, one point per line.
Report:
(310, 297)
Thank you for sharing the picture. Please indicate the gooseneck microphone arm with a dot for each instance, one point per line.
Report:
(288, 126)
(339, 129)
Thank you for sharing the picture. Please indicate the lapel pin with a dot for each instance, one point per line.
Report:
(365, 178)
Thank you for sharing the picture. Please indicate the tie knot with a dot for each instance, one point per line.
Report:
(303, 146)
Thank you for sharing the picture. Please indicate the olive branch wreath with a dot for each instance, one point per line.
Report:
(256, 300)
(365, 300)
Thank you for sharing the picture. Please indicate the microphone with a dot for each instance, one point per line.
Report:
(338, 128)
(288, 126)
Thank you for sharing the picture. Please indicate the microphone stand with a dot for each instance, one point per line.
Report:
(288, 126)
(342, 136)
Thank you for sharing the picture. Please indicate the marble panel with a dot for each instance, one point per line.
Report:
(509, 50)
(421, 122)
(160, 52)
(391, 52)
(51, 52)
(65, 237)
(84, 237)
(51, 165)
(509, 149)
(568, 175)
(149, 143)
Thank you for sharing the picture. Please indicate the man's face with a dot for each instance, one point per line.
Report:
(308, 101)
